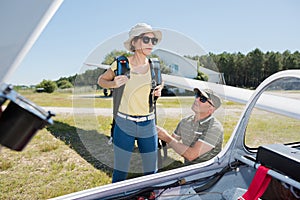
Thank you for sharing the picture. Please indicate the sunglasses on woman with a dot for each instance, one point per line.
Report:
(202, 98)
(147, 39)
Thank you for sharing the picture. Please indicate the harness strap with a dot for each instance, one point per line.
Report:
(157, 80)
(122, 68)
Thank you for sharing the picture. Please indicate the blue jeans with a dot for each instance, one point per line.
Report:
(124, 136)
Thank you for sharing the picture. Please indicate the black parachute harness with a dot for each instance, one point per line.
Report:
(156, 79)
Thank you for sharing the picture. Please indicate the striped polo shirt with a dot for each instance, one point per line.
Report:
(208, 130)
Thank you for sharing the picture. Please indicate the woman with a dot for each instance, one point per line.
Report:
(134, 120)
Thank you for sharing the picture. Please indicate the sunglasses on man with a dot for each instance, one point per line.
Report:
(147, 39)
(202, 98)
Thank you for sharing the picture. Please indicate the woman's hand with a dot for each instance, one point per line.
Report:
(157, 90)
(109, 80)
(119, 81)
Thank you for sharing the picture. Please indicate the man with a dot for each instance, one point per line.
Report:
(201, 134)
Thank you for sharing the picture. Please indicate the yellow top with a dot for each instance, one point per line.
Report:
(135, 99)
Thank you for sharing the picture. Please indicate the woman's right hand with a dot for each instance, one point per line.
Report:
(120, 80)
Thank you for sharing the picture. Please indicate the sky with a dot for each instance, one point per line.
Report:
(81, 26)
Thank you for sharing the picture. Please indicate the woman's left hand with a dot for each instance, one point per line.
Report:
(157, 90)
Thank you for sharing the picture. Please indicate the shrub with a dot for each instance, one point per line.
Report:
(48, 86)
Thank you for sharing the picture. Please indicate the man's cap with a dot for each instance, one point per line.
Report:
(139, 29)
(211, 95)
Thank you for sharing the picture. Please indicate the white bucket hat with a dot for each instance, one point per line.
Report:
(139, 29)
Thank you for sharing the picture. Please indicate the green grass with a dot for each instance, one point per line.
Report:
(45, 99)
(46, 168)
(265, 128)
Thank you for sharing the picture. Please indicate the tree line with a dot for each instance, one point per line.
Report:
(249, 70)
(239, 70)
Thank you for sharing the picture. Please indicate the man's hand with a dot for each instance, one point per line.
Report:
(163, 134)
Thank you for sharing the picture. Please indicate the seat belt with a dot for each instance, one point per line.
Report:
(258, 185)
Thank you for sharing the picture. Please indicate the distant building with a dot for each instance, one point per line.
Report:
(185, 67)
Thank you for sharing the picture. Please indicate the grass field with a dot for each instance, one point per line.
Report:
(73, 154)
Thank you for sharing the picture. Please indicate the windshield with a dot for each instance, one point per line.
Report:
(266, 127)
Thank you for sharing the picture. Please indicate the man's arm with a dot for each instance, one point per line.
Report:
(189, 153)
